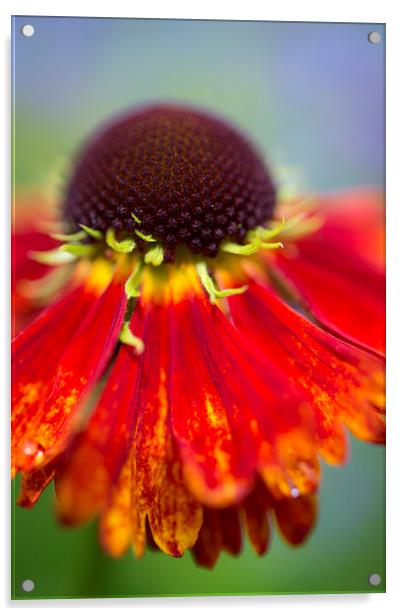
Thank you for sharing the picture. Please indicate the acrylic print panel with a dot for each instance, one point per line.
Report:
(198, 304)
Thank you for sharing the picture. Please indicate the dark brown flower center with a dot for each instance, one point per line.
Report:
(188, 177)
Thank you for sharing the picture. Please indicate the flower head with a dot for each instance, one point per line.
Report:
(204, 344)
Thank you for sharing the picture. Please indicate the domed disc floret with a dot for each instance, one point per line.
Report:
(172, 174)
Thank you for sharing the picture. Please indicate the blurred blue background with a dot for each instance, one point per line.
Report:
(312, 98)
(309, 94)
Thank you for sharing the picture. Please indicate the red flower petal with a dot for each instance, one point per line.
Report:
(356, 219)
(34, 482)
(96, 457)
(158, 489)
(216, 442)
(255, 508)
(229, 520)
(94, 461)
(341, 382)
(115, 523)
(36, 352)
(151, 487)
(339, 270)
(209, 543)
(228, 403)
(296, 517)
(221, 529)
(56, 360)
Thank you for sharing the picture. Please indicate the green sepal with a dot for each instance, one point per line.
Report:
(127, 337)
(79, 250)
(68, 237)
(271, 245)
(97, 235)
(154, 256)
(268, 234)
(137, 220)
(210, 288)
(229, 292)
(143, 236)
(242, 249)
(206, 280)
(52, 257)
(257, 239)
(133, 282)
(124, 246)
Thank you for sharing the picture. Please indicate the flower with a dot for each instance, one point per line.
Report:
(204, 343)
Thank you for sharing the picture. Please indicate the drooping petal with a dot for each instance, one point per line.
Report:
(80, 366)
(57, 359)
(34, 482)
(255, 508)
(222, 529)
(158, 489)
(97, 455)
(208, 547)
(232, 413)
(296, 517)
(36, 352)
(115, 528)
(342, 383)
(229, 519)
(339, 270)
(216, 443)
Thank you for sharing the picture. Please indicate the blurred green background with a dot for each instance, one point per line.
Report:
(345, 548)
(312, 98)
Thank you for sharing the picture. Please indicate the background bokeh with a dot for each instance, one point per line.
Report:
(312, 98)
